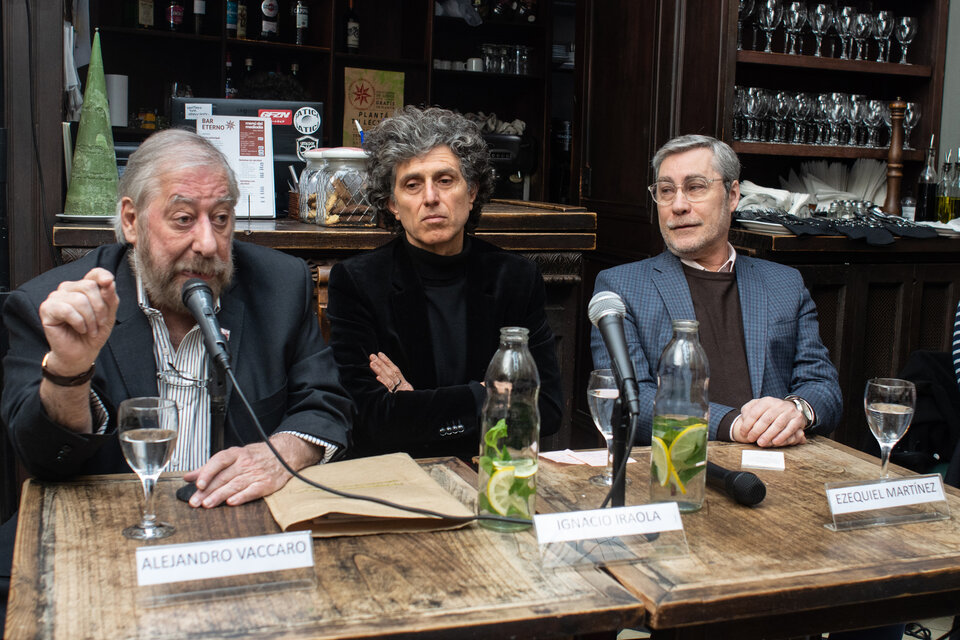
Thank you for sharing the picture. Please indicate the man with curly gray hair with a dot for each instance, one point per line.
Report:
(415, 323)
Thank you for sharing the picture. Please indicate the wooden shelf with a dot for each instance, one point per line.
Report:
(509, 77)
(361, 60)
(819, 151)
(834, 64)
(279, 46)
(159, 34)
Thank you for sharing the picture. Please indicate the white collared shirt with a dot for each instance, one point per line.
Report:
(726, 267)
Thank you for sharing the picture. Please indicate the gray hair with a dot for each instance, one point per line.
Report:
(410, 133)
(725, 159)
(158, 155)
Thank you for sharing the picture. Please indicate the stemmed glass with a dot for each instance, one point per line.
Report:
(882, 29)
(844, 23)
(906, 32)
(872, 116)
(862, 28)
(888, 403)
(769, 13)
(743, 12)
(803, 106)
(836, 109)
(147, 428)
(602, 394)
(910, 119)
(783, 106)
(821, 19)
(794, 17)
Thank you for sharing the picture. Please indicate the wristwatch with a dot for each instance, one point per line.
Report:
(804, 408)
(66, 381)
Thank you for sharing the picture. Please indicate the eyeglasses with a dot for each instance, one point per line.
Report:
(694, 190)
(172, 376)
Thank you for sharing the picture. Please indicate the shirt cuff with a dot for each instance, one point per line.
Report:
(726, 426)
(329, 450)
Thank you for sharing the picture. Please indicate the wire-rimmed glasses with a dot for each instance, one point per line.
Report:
(694, 189)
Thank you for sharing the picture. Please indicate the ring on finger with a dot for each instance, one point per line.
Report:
(395, 386)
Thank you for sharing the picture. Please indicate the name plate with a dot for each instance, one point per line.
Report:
(883, 495)
(221, 558)
(607, 523)
(890, 501)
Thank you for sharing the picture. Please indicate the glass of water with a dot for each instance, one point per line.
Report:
(602, 394)
(888, 403)
(148, 434)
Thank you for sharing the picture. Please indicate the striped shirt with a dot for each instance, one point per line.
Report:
(182, 377)
(956, 345)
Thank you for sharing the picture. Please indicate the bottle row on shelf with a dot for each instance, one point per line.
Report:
(268, 20)
(938, 193)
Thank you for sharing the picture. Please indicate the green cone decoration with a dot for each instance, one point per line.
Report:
(93, 181)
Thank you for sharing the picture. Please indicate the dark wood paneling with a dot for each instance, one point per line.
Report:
(31, 71)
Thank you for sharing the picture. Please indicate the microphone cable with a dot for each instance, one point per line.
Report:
(622, 469)
(345, 494)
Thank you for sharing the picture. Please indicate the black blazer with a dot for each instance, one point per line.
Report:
(377, 303)
(287, 373)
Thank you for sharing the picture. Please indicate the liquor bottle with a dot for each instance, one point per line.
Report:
(678, 452)
(353, 30)
(955, 190)
(510, 434)
(145, 14)
(231, 18)
(174, 17)
(527, 10)
(243, 20)
(944, 206)
(269, 20)
(230, 86)
(302, 23)
(927, 189)
(199, 15)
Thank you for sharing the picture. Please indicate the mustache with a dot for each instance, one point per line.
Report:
(685, 223)
(211, 267)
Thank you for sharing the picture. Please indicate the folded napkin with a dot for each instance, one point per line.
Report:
(753, 196)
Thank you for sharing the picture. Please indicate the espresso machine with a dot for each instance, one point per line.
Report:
(514, 159)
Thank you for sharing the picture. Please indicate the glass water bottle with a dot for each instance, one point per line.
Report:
(681, 413)
(510, 434)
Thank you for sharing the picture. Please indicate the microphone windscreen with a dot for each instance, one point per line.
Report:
(191, 285)
(746, 488)
(604, 303)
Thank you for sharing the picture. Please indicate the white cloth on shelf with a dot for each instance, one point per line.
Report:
(754, 196)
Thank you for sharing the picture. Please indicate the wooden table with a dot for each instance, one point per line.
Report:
(74, 576)
(774, 570)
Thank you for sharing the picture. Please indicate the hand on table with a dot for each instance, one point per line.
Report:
(388, 373)
(770, 422)
(242, 474)
(77, 319)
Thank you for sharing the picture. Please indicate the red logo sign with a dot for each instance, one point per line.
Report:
(277, 116)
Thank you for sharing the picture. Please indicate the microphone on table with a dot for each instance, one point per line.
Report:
(606, 311)
(743, 486)
(198, 298)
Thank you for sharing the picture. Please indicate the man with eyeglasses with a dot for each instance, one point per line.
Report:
(112, 325)
(771, 379)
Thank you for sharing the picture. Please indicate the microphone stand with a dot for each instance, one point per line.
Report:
(620, 423)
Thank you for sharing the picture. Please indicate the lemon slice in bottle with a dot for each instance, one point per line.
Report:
(688, 447)
(661, 461)
(498, 489)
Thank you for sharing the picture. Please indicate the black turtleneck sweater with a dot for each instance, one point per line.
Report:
(444, 280)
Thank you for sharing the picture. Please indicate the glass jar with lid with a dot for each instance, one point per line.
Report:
(336, 195)
(315, 162)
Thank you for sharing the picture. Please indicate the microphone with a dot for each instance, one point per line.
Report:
(743, 486)
(198, 298)
(606, 311)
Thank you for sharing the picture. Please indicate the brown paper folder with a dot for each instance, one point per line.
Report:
(395, 477)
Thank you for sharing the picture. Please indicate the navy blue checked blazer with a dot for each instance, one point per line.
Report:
(784, 352)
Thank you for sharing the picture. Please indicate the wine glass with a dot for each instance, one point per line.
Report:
(888, 403)
(844, 24)
(794, 17)
(910, 119)
(882, 30)
(821, 19)
(147, 428)
(906, 32)
(862, 28)
(872, 116)
(602, 394)
(769, 13)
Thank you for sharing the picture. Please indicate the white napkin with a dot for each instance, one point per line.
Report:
(753, 196)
